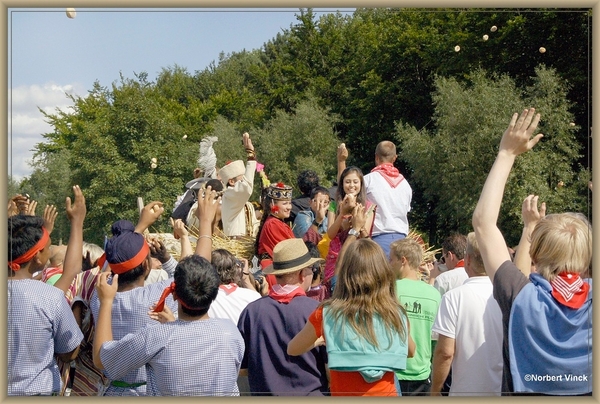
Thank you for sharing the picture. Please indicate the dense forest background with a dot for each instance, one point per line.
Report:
(441, 83)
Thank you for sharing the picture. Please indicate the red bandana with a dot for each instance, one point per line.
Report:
(459, 264)
(285, 294)
(15, 264)
(390, 173)
(228, 289)
(570, 290)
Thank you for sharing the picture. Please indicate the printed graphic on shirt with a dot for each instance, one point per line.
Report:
(419, 307)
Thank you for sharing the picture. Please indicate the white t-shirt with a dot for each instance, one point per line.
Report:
(393, 204)
(471, 316)
(450, 279)
(231, 301)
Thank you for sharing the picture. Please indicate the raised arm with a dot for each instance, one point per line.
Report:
(342, 156)
(149, 214)
(106, 295)
(184, 237)
(207, 209)
(515, 140)
(358, 222)
(531, 216)
(72, 265)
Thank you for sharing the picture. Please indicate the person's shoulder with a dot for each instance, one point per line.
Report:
(247, 293)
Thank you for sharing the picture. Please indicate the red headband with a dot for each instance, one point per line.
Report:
(28, 256)
(161, 302)
(128, 265)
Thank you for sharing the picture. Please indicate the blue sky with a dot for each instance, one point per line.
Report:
(51, 55)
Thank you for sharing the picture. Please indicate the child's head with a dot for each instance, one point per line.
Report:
(352, 182)
(127, 253)
(408, 248)
(28, 243)
(227, 266)
(561, 243)
(196, 285)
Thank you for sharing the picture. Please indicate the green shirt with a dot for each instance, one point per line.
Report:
(421, 302)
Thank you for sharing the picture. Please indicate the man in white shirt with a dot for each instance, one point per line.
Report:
(469, 324)
(453, 252)
(391, 193)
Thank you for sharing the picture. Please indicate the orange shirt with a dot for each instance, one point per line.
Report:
(352, 383)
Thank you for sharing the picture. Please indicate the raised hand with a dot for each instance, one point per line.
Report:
(342, 152)
(529, 211)
(164, 316)
(107, 292)
(30, 211)
(149, 214)
(158, 250)
(247, 142)
(517, 137)
(76, 211)
(207, 205)
(14, 204)
(179, 229)
(49, 217)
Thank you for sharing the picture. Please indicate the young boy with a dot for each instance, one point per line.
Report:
(421, 302)
(192, 356)
(40, 321)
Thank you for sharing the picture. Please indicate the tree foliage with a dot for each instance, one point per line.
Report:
(377, 74)
(469, 120)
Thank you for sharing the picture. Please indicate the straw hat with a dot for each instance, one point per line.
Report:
(289, 256)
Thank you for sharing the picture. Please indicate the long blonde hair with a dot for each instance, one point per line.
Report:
(365, 288)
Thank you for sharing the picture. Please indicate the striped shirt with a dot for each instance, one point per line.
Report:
(183, 358)
(129, 315)
(40, 324)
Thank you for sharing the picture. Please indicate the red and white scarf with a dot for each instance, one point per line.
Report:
(285, 294)
(390, 173)
(570, 290)
(228, 289)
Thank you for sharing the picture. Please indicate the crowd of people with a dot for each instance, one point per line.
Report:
(336, 298)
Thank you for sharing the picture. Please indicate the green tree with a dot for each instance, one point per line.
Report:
(449, 162)
(303, 139)
(50, 184)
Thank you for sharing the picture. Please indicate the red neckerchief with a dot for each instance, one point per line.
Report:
(390, 173)
(285, 294)
(460, 263)
(228, 289)
(570, 290)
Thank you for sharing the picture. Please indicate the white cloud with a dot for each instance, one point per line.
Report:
(26, 124)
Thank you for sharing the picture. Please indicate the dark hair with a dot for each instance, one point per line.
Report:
(196, 284)
(455, 243)
(307, 180)
(134, 274)
(318, 190)
(214, 184)
(362, 194)
(315, 253)
(226, 265)
(266, 201)
(23, 233)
